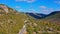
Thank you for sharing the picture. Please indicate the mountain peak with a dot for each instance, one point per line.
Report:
(4, 7)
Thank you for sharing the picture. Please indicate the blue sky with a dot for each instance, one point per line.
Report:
(35, 6)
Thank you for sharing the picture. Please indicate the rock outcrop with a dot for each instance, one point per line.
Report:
(5, 8)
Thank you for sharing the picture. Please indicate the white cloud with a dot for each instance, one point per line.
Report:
(21, 9)
(28, 1)
(31, 10)
(50, 9)
(19, 0)
(58, 2)
(57, 9)
(17, 6)
(43, 7)
(46, 10)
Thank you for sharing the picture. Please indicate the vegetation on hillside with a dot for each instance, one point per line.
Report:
(13, 21)
(47, 25)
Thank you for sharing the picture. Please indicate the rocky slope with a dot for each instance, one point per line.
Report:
(11, 21)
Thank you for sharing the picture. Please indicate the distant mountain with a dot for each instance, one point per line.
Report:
(42, 16)
(53, 13)
(37, 15)
(53, 17)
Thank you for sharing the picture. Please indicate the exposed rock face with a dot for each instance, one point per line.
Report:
(4, 8)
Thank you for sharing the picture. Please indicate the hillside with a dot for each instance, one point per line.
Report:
(53, 17)
(12, 22)
(47, 25)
